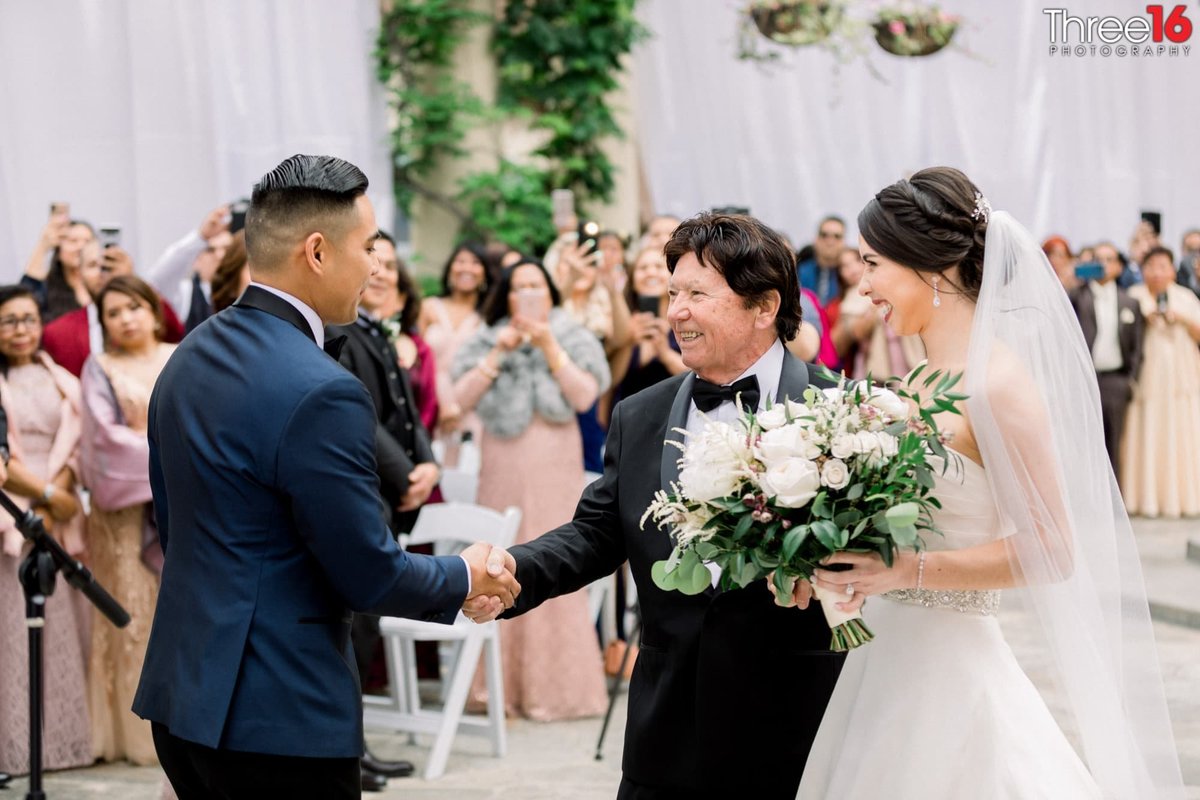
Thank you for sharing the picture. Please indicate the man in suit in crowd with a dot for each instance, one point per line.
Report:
(263, 472)
(404, 461)
(729, 688)
(1112, 325)
(74, 336)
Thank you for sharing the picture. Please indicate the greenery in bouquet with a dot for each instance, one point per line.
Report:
(849, 469)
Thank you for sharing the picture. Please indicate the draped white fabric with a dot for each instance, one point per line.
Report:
(1076, 146)
(148, 113)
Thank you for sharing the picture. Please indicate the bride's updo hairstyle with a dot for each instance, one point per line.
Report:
(929, 223)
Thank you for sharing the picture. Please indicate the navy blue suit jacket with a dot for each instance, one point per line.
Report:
(262, 463)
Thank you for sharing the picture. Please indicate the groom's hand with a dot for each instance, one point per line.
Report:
(494, 586)
(800, 597)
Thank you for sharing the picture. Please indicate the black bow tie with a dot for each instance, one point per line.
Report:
(707, 395)
(333, 346)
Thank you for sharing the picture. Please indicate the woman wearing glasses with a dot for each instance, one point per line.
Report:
(41, 400)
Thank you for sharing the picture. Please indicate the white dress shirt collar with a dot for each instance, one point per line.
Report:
(766, 369)
(314, 321)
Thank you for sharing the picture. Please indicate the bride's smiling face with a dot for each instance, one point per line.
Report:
(903, 295)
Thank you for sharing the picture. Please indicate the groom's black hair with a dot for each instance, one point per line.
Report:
(753, 259)
(301, 195)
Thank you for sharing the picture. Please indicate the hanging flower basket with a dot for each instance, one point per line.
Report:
(914, 33)
(796, 22)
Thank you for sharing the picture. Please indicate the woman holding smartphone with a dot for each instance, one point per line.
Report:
(527, 374)
(652, 354)
(1160, 474)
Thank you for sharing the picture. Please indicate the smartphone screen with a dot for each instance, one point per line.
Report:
(110, 236)
(647, 305)
(1091, 271)
(563, 203)
(1161, 302)
(531, 304)
(237, 214)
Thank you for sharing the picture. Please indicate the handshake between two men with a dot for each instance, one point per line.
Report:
(494, 587)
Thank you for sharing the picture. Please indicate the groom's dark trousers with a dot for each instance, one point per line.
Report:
(728, 689)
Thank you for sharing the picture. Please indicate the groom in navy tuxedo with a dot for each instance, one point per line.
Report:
(729, 688)
(262, 464)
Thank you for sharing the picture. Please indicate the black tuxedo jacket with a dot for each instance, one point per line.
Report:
(401, 441)
(729, 688)
(1130, 325)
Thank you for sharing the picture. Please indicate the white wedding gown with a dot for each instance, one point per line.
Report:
(936, 707)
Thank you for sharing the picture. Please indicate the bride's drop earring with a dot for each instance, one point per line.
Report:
(937, 301)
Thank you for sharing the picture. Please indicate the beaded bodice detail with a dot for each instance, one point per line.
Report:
(968, 517)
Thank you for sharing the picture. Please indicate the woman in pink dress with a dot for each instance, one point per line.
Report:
(41, 401)
(447, 322)
(527, 375)
(122, 536)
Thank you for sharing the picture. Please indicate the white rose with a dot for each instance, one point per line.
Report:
(888, 445)
(865, 443)
(708, 483)
(714, 463)
(772, 418)
(833, 394)
(887, 402)
(792, 482)
(835, 474)
(786, 442)
(796, 409)
(843, 446)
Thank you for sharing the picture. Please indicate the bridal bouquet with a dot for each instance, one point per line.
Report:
(846, 470)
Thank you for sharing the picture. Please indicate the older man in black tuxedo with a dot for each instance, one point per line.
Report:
(729, 688)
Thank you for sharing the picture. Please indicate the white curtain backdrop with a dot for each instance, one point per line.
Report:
(1076, 146)
(148, 113)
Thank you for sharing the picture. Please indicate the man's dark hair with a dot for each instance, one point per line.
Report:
(753, 259)
(831, 218)
(1159, 250)
(496, 307)
(303, 194)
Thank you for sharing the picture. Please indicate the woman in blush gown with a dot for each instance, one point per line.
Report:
(122, 537)
(527, 375)
(937, 707)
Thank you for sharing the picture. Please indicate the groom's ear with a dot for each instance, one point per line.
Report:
(768, 308)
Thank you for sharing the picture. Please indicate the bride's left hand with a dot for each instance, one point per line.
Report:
(867, 574)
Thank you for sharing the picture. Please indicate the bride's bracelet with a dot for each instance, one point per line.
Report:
(920, 569)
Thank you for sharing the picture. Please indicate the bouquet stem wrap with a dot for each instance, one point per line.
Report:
(849, 630)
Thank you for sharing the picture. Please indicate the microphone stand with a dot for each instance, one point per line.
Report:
(37, 574)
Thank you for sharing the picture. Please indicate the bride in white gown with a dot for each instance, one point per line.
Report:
(937, 707)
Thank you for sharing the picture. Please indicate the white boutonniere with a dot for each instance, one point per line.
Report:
(1126, 316)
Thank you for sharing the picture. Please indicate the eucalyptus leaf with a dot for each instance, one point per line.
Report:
(662, 579)
(904, 514)
(905, 535)
(696, 582)
(855, 492)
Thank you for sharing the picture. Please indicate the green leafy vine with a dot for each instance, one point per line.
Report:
(557, 61)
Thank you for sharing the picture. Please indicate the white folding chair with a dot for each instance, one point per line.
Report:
(446, 526)
(460, 483)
